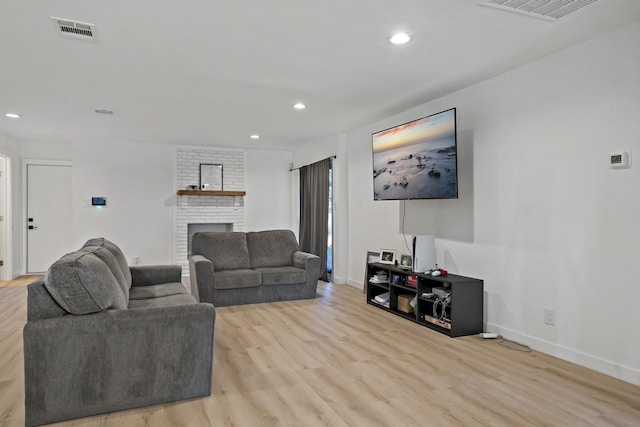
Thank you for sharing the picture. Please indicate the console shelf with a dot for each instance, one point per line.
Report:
(462, 316)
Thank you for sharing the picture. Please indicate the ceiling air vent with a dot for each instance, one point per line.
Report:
(76, 30)
(545, 9)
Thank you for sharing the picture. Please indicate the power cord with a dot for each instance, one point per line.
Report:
(504, 342)
(444, 302)
(404, 211)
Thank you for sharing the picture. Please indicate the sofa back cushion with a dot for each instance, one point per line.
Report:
(114, 258)
(271, 248)
(227, 250)
(82, 283)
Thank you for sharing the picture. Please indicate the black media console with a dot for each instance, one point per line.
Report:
(451, 304)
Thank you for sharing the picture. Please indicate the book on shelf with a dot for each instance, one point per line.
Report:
(383, 304)
(382, 299)
(379, 278)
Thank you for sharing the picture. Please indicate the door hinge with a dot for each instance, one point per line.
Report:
(1, 218)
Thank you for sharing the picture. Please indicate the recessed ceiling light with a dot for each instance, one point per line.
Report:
(399, 38)
(299, 106)
(254, 136)
(12, 115)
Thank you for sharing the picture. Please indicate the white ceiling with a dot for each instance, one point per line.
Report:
(214, 72)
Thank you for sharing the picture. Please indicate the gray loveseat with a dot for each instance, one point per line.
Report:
(102, 336)
(233, 268)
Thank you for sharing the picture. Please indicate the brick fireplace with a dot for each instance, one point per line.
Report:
(207, 213)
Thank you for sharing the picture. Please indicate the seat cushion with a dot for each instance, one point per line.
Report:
(282, 275)
(227, 250)
(271, 248)
(166, 301)
(233, 279)
(82, 283)
(156, 291)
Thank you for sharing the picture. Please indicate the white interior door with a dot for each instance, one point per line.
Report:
(49, 234)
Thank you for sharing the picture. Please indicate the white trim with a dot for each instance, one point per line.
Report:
(23, 222)
(607, 367)
(5, 226)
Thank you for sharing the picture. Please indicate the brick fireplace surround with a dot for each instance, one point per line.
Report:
(215, 213)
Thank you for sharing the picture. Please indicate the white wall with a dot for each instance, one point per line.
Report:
(45, 150)
(138, 181)
(541, 218)
(268, 203)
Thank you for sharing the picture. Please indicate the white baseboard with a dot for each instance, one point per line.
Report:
(607, 367)
(338, 280)
(354, 283)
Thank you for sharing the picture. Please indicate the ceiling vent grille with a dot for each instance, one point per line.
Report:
(545, 9)
(76, 30)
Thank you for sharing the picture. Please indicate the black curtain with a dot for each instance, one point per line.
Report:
(314, 211)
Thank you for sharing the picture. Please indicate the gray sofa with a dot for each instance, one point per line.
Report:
(102, 336)
(232, 268)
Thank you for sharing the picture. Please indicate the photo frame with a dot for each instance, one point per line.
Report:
(211, 177)
(406, 261)
(387, 256)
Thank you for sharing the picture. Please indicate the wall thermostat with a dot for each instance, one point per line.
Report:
(619, 160)
(98, 201)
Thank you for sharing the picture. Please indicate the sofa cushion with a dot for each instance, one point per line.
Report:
(282, 275)
(119, 263)
(82, 283)
(156, 291)
(233, 279)
(271, 248)
(110, 260)
(166, 301)
(227, 250)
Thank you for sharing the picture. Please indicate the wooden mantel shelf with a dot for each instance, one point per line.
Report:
(210, 193)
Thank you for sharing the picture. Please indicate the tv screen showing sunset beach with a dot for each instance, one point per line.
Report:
(417, 160)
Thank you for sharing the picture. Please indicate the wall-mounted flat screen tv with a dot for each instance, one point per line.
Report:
(417, 160)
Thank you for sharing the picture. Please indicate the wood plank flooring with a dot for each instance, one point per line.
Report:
(336, 361)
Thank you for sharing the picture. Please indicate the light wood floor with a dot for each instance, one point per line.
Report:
(336, 361)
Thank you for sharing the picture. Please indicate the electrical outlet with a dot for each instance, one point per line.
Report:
(549, 317)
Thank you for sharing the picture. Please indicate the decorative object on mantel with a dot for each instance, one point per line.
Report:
(192, 187)
(210, 177)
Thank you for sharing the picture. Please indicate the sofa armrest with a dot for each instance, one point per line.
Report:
(201, 277)
(77, 366)
(308, 262)
(148, 275)
(305, 260)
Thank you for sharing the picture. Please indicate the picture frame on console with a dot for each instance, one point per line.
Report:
(211, 177)
(406, 261)
(387, 256)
